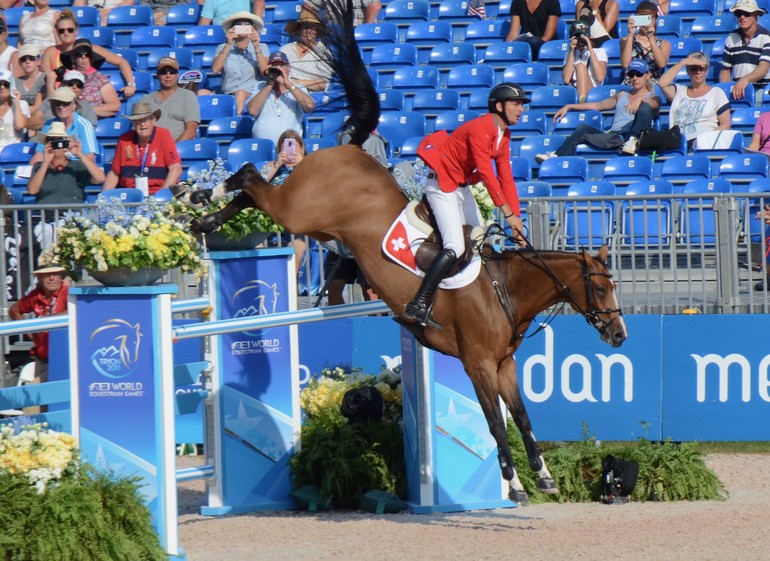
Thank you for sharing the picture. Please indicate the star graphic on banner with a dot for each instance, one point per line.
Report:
(452, 422)
(398, 244)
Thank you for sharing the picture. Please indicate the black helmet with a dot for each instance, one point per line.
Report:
(504, 92)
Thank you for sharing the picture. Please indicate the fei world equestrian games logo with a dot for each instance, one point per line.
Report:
(255, 298)
(115, 355)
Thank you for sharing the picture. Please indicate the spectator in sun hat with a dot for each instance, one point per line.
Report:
(180, 112)
(64, 104)
(146, 158)
(242, 57)
(92, 86)
(58, 179)
(44, 112)
(277, 102)
(307, 53)
(31, 81)
(14, 112)
(746, 57)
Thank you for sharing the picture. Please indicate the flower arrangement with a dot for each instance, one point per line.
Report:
(52, 506)
(115, 236)
(247, 221)
(343, 459)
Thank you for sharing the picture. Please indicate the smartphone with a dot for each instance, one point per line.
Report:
(243, 29)
(289, 146)
(642, 20)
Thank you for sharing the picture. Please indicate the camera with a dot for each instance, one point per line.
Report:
(273, 72)
(580, 31)
(60, 144)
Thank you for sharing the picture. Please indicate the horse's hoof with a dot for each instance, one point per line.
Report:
(206, 224)
(184, 218)
(547, 485)
(180, 191)
(519, 497)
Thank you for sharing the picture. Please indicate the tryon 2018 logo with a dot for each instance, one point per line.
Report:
(115, 348)
(254, 299)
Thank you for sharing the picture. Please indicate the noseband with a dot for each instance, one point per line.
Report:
(592, 314)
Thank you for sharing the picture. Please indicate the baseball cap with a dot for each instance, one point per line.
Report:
(29, 50)
(63, 94)
(73, 75)
(639, 65)
(168, 61)
(278, 57)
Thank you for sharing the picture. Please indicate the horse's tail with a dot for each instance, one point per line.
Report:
(349, 70)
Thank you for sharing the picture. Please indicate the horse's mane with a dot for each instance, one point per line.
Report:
(344, 58)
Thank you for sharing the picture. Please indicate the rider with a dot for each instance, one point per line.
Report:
(456, 161)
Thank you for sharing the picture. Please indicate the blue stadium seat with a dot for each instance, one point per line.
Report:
(391, 99)
(425, 35)
(624, 171)
(481, 34)
(108, 131)
(102, 36)
(248, 150)
(451, 120)
(449, 55)
(316, 144)
(744, 118)
(182, 17)
(690, 9)
(87, 16)
(225, 130)
(15, 155)
(538, 144)
(550, 99)
(273, 36)
(123, 20)
(409, 147)
(397, 126)
(521, 169)
(333, 124)
(627, 7)
(183, 56)
(647, 222)
(12, 19)
(707, 29)
(201, 36)
(571, 120)
(697, 223)
(680, 170)
(532, 189)
(742, 169)
(669, 27)
(197, 150)
(415, 78)
(143, 81)
(213, 106)
(466, 77)
(532, 122)
(128, 55)
(369, 35)
(432, 102)
(455, 12)
(748, 95)
(125, 195)
(528, 76)
(681, 48)
(589, 223)
(388, 58)
(501, 55)
(195, 168)
(552, 54)
(503, 9)
(146, 40)
(285, 12)
(561, 172)
(403, 13)
(755, 228)
(716, 155)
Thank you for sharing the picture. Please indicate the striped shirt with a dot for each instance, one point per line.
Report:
(743, 58)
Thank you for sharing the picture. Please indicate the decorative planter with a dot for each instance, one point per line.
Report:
(124, 276)
(218, 242)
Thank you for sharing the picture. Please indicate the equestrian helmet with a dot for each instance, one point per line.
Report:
(505, 91)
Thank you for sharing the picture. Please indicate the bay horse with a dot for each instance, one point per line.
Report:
(342, 193)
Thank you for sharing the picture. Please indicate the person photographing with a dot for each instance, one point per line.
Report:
(585, 67)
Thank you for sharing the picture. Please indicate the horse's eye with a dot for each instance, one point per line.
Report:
(601, 291)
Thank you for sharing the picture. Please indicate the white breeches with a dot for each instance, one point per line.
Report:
(452, 210)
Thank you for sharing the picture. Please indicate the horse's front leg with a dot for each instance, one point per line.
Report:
(511, 394)
(213, 221)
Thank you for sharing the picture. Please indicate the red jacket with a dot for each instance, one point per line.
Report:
(36, 302)
(466, 156)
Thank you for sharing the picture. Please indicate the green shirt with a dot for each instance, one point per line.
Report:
(65, 186)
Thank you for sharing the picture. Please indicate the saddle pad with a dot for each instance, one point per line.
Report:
(401, 243)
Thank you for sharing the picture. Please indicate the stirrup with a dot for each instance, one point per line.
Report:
(422, 315)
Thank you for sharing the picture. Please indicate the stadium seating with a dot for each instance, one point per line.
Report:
(455, 12)
(550, 99)
(415, 78)
(248, 150)
(128, 55)
(690, 9)
(707, 29)
(272, 36)
(748, 95)
(680, 170)
(624, 171)
(391, 99)
(647, 222)
(369, 35)
(451, 120)
(572, 119)
(553, 53)
(697, 221)
(467, 77)
(425, 35)
(397, 126)
(563, 171)
(755, 228)
(125, 195)
(449, 55)
(102, 36)
(333, 124)
(123, 20)
(532, 122)
(108, 131)
(15, 155)
(742, 169)
(409, 147)
(12, 19)
(183, 56)
(87, 16)
(316, 144)
(669, 27)
(589, 223)
(403, 13)
(285, 12)
(501, 55)
(146, 40)
(225, 130)
(528, 75)
(538, 144)
(182, 17)
(532, 189)
(521, 169)
(213, 106)
(197, 150)
(202, 37)
(388, 58)
(481, 34)
(432, 102)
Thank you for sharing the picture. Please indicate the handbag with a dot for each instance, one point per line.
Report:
(652, 140)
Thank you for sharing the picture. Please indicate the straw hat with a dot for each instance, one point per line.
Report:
(256, 21)
(57, 130)
(48, 267)
(142, 110)
(306, 17)
(748, 6)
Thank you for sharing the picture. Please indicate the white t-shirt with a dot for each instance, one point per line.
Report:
(8, 133)
(696, 115)
(581, 57)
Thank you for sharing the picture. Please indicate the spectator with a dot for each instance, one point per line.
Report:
(291, 152)
(534, 23)
(57, 179)
(242, 58)
(147, 158)
(761, 135)
(696, 108)
(642, 43)
(31, 81)
(601, 17)
(307, 54)
(364, 11)
(215, 12)
(277, 103)
(180, 112)
(44, 111)
(48, 298)
(14, 112)
(59, 58)
(37, 27)
(663, 6)
(105, 6)
(64, 104)
(584, 66)
(94, 86)
(634, 112)
(746, 57)
(160, 8)
(9, 56)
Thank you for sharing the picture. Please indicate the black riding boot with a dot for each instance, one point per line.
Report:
(418, 310)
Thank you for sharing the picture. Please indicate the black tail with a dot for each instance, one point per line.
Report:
(349, 70)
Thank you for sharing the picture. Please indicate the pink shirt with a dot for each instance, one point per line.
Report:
(762, 128)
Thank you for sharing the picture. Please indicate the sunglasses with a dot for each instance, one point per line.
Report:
(63, 30)
(28, 59)
(74, 84)
(167, 71)
(636, 74)
(57, 104)
(740, 14)
(696, 69)
(82, 54)
(5, 85)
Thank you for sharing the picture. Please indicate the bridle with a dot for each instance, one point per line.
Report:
(591, 313)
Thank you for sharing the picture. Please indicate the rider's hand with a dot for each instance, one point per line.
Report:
(517, 228)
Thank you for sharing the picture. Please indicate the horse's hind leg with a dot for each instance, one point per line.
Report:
(509, 386)
(212, 221)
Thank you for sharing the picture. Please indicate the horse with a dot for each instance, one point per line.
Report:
(341, 193)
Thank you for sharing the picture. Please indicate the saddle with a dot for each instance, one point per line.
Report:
(420, 215)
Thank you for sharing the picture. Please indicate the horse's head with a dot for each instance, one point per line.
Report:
(598, 302)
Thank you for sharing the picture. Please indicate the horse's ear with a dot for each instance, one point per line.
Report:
(603, 253)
